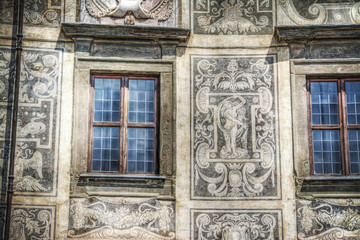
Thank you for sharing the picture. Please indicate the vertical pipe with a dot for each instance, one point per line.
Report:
(20, 13)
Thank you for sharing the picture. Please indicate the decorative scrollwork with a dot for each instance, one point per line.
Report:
(102, 218)
(235, 224)
(234, 127)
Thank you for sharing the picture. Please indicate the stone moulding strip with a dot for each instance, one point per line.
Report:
(306, 32)
(76, 30)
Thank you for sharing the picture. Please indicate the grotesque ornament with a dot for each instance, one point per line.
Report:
(159, 10)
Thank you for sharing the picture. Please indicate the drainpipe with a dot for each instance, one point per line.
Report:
(20, 12)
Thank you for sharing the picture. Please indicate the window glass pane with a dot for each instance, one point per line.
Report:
(105, 149)
(324, 103)
(107, 100)
(354, 151)
(353, 102)
(141, 101)
(327, 155)
(140, 150)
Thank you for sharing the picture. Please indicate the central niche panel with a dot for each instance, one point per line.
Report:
(234, 130)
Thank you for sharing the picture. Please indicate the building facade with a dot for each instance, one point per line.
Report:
(180, 119)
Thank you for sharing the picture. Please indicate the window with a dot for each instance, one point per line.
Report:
(334, 129)
(123, 126)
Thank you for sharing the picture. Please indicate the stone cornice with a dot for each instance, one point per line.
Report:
(125, 32)
(314, 32)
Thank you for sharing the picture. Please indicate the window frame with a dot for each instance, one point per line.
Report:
(124, 124)
(343, 127)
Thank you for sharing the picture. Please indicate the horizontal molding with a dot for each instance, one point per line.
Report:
(312, 32)
(121, 32)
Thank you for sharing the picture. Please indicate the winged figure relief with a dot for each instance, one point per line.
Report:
(160, 10)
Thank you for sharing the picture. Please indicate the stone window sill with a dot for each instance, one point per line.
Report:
(328, 186)
(98, 179)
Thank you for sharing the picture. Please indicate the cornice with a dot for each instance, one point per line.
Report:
(125, 32)
(317, 32)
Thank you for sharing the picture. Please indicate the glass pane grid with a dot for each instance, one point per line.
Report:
(326, 148)
(353, 102)
(354, 151)
(141, 101)
(140, 150)
(324, 103)
(107, 100)
(105, 149)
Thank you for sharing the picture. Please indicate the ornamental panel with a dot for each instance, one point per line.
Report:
(234, 129)
(120, 218)
(232, 17)
(38, 120)
(236, 224)
(33, 222)
(328, 219)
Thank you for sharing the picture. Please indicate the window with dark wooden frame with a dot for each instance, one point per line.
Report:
(334, 125)
(124, 124)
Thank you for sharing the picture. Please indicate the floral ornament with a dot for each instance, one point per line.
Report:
(323, 221)
(233, 17)
(236, 225)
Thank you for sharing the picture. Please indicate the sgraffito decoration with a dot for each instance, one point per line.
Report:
(236, 224)
(33, 222)
(36, 151)
(232, 17)
(47, 13)
(328, 219)
(160, 10)
(309, 12)
(234, 131)
(107, 218)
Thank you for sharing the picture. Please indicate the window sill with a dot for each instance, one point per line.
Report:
(98, 179)
(328, 186)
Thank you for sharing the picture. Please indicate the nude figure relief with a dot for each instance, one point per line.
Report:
(234, 125)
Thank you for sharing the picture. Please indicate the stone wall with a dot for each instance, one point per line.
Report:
(234, 149)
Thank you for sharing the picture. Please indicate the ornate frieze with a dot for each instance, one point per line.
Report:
(328, 219)
(319, 12)
(129, 10)
(36, 150)
(234, 130)
(236, 224)
(110, 218)
(33, 222)
(232, 17)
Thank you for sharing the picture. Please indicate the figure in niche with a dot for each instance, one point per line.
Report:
(234, 126)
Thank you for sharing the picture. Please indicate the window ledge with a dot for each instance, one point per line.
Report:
(328, 186)
(323, 31)
(98, 179)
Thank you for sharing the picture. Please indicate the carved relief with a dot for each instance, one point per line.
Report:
(236, 224)
(333, 219)
(36, 150)
(319, 12)
(100, 218)
(234, 132)
(35, 222)
(229, 17)
(160, 10)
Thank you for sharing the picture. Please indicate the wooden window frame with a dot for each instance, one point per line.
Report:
(124, 124)
(343, 127)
